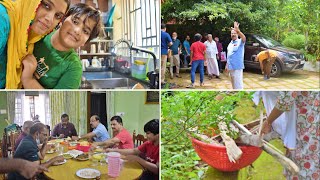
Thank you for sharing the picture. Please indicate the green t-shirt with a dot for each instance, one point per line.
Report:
(57, 69)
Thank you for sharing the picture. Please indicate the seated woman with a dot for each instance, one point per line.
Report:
(23, 23)
(55, 63)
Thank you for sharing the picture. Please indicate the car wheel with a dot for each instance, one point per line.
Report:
(276, 69)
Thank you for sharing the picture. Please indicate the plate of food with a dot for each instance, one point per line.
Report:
(88, 173)
(59, 162)
(67, 155)
(73, 143)
(99, 156)
(83, 157)
(59, 140)
(98, 149)
(51, 151)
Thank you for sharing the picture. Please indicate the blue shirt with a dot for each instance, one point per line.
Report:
(186, 48)
(235, 55)
(4, 34)
(165, 40)
(175, 46)
(27, 150)
(101, 133)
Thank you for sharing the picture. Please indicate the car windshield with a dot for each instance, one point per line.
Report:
(268, 41)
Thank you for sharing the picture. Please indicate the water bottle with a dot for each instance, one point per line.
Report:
(114, 164)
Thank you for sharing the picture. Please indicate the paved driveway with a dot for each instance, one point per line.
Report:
(297, 80)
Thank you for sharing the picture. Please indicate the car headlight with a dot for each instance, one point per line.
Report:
(289, 57)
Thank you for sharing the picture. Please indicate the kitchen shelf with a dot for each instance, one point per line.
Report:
(95, 54)
(101, 40)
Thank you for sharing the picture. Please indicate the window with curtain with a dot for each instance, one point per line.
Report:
(29, 104)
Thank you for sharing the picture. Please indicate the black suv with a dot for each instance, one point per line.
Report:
(288, 59)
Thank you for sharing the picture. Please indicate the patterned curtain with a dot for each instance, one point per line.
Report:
(110, 104)
(74, 103)
(11, 97)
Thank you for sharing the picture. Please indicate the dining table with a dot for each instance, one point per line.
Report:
(68, 170)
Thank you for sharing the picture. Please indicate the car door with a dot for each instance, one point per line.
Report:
(252, 48)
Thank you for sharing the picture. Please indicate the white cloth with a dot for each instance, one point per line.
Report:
(213, 67)
(211, 49)
(285, 124)
(236, 78)
(211, 54)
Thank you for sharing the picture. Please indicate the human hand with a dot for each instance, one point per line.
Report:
(58, 159)
(29, 169)
(29, 66)
(61, 136)
(266, 128)
(75, 138)
(108, 150)
(131, 158)
(236, 26)
(93, 146)
(45, 141)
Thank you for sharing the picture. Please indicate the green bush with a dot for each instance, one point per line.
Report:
(295, 41)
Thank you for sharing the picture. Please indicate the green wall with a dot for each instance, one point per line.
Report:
(3, 105)
(137, 113)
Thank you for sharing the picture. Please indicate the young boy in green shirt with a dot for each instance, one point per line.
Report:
(54, 62)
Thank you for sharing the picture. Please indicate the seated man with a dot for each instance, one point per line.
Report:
(148, 150)
(25, 131)
(122, 139)
(64, 129)
(28, 149)
(99, 133)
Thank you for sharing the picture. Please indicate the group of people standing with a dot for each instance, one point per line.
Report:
(207, 52)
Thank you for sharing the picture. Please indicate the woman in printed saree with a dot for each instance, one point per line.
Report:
(23, 23)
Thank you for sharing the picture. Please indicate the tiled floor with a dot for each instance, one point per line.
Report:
(253, 80)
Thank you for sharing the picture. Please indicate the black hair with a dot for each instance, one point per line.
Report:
(163, 26)
(197, 37)
(80, 9)
(64, 115)
(152, 126)
(37, 127)
(96, 117)
(117, 118)
(68, 3)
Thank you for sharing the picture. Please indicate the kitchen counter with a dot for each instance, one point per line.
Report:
(110, 80)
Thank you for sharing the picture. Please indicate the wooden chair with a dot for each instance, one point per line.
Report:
(0, 148)
(13, 138)
(49, 130)
(11, 133)
(4, 146)
(138, 139)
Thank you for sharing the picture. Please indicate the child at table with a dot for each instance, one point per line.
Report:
(147, 154)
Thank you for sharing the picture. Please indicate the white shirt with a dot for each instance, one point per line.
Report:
(211, 49)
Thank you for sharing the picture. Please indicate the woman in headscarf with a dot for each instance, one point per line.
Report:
(24, 23)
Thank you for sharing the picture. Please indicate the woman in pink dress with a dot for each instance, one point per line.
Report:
(307, 151)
